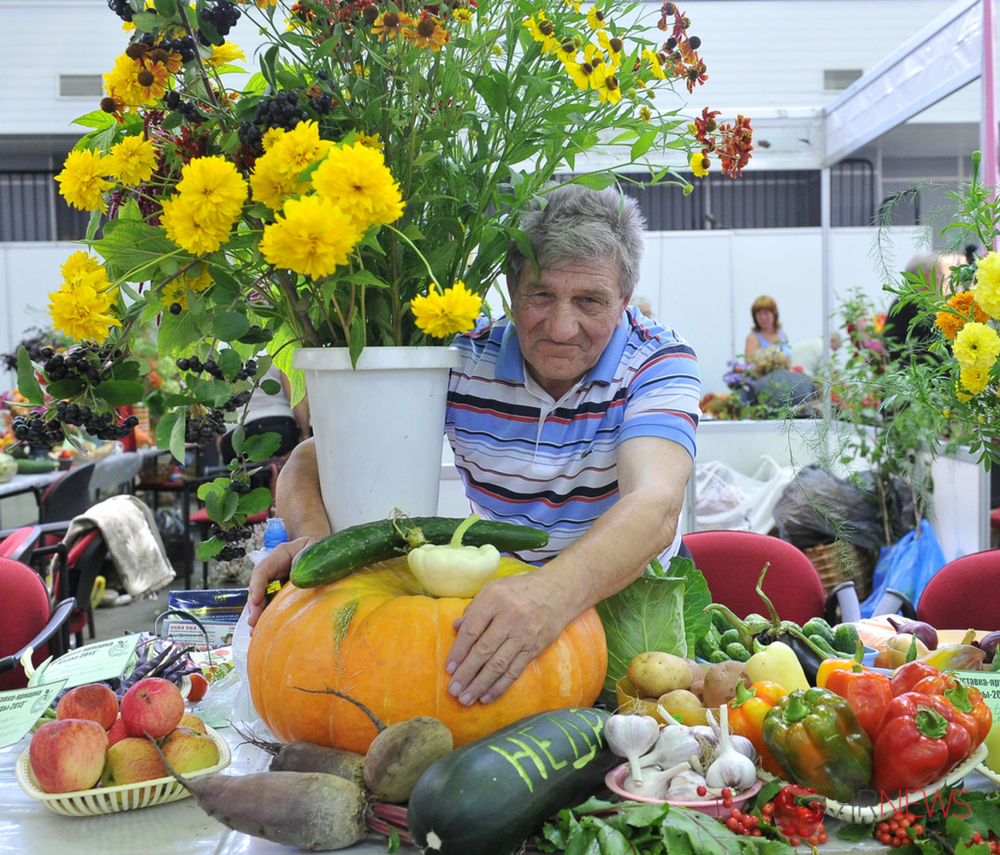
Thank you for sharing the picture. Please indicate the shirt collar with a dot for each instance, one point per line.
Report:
(510, 364)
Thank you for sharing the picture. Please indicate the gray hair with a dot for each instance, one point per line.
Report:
(582, 224)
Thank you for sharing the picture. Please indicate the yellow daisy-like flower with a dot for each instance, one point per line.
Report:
(312, 238)
(297, 149)
(176, 290)
(654, 63)
(120, 82)
(152, 79)
(583, 72)
(975, 379)
(595, 19)
(614, 47)
(700, 164)
(371, 141)
(988, 284)
(447, 313)
(977, 346)
(79, 266)
(356, 178)
(194, 227)
(606, 84)
(573, 4)
(132, 161)
(427, 32)
(271, 137)
(645, 114)
(270, 184)
(225, 54)
(82, 181)
(80, 310)
(964, 303)
(463, 15)
(214, 184)
(391, 24)
(542, 31)
(566, 51)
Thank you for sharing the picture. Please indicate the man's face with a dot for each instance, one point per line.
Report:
(565, 318)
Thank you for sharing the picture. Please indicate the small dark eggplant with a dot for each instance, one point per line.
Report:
(808, 658)
(924, 631)
(988, 644)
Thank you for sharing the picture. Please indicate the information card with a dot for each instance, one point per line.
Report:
(21, 708)
(988, 682)
(92, 663)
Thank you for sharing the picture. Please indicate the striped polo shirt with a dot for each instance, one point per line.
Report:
(527, 458)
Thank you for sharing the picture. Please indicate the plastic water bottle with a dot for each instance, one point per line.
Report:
(274, 534)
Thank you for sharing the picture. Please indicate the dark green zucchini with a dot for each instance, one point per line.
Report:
(342, 553)
(489, 796)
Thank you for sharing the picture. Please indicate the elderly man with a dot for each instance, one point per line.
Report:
(576, 416)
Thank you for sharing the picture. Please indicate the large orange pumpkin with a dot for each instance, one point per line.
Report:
(378, 637)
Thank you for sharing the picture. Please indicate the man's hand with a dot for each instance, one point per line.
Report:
(276, 565)
(510, 622)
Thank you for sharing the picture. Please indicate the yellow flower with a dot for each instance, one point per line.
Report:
(645, 113)
(583, 72)
(700, 164)
(964, 303)
(270, 184)
(225, 54)
(194, 227)
(654, 63)
(312, 238)
(356, 178)
(271, 137)
(595, 19)
(573, 4)
(78, 266)
(442, 314)
(975, 379)
(391, 24)
(613, 45)
(80, 310)
(82, 180)
(176, 290)
(606, 84)
(463, 15)
(977, 346)
(132, 161)
(151, 79)
(988, 283)
(213, 184)
(297, 149)
(371, 141)
(427, 32)
(542, 31)
(120, 82)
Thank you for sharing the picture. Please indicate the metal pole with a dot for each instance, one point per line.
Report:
(988, 128)
(826, 278)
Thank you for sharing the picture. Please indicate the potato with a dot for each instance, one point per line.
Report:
(680, 699)
(655, 673)
(697, 670)
(697, 688)
(721, 681)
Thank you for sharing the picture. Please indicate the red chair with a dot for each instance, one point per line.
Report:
(27, 621)
(731, 562)
(66, 497)
(963, 594)
(20, 544)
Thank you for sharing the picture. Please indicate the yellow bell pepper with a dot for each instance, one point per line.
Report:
(778, 663)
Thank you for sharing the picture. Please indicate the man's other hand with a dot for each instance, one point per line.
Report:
(276, 565)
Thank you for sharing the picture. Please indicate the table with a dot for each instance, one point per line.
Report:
(28, 828)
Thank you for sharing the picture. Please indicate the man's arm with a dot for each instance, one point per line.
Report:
(300, 504)
(514, 619)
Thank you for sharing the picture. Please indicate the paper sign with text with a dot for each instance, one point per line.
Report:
(988, 682)
(94, 662)
(21, 708)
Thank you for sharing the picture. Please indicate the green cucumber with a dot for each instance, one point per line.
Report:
(730, 636)
(27, 466)
(737, 652)
(488, 797)
(342, 553)
(846, 638)
(818, 627)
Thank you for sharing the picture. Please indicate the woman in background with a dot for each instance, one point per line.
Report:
(767, 331)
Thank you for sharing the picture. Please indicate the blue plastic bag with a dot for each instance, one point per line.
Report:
(906, 566)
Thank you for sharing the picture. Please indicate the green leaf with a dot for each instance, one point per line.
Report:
(366, 277)
(646, 615)
(356, 343)
(216, 486)
(213, 505)
(27, 382)
(93, 224)
(128, 370)
(96, 119)
(177, 448)
(493, 90)
(136, 249)
(208, 549)
(164, 428)
(229, 326)
(229, 505)
(855, 832)
(165, 8)
(643, 144)
(149, 22)
(120, 393)
(696, 597)
(238, 438)
(66, 388)
(255, 501)
(595, 181)
(261, 446)
(270, 387)
(230, 363)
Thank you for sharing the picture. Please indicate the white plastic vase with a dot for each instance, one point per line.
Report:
(378, 428)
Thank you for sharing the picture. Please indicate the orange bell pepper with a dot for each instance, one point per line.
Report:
(966, 700)
(868, 693)
(746, 717)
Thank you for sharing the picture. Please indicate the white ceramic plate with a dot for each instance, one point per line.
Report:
(101, 800)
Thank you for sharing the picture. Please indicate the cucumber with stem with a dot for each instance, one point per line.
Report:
(342, 553)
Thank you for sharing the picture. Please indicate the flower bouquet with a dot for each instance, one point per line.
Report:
(358, 189)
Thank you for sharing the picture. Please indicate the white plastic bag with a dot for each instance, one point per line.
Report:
(729, 500)
(227, 700)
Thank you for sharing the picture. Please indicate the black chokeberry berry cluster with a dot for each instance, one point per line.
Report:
(122, 9)
(183, 46)
(210, 367)
(37, 431)
(173, 101)
(322, 105)
(202, 429)
(238, 400)
(281, 111)
(81, 363)
(100, 425)
(223, 16)
(231, 536)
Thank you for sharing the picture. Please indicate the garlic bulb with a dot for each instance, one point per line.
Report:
(729, 768)
(684, 788)
(631, 736)
(656, 782)
(740, 743)
(674, 745)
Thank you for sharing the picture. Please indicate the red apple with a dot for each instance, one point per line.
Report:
(187, 750)
(95, 702)
(68, 754)
(130, 761)
(152, 707)
(189, 719)
(117, 732)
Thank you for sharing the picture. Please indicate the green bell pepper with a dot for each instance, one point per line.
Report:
(816, 738)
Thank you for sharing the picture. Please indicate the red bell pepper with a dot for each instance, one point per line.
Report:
(918, 743)
(967, 701)
(908, 675)
(798, 811)
(868, 693)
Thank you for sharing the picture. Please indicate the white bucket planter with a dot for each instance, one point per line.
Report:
(378, 428)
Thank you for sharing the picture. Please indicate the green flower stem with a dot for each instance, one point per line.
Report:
(420, 255)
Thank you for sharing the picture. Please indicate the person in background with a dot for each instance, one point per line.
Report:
(766, 331)
(272, 414)
(808, 354)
